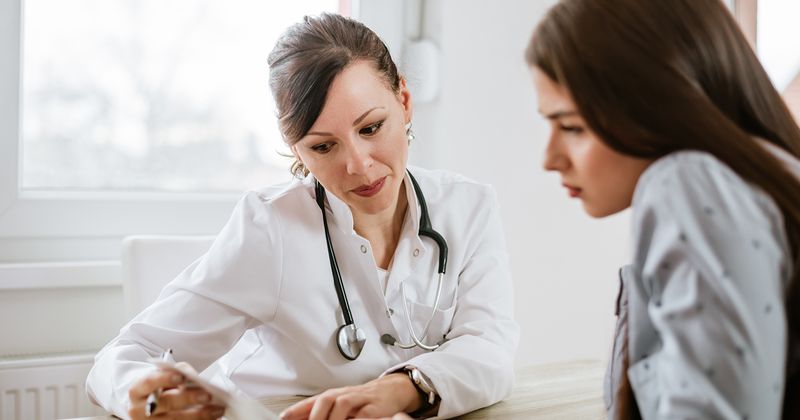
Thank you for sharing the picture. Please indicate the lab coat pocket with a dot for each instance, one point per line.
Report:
(643, 376)
(440, 321)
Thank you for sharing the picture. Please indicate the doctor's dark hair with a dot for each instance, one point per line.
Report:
(655, 77)
(306, 59)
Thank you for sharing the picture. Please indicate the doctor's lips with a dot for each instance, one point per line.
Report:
(572, 191)
(370, 190)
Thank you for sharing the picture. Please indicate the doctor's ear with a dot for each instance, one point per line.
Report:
(404, 96)
(297, 155)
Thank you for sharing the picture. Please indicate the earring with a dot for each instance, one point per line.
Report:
(409, 133)
(299, 169)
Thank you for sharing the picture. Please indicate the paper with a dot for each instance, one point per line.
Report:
(236, 408)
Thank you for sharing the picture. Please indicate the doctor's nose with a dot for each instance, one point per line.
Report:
(358, 159)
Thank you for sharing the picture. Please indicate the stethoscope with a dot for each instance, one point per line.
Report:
(349, 338)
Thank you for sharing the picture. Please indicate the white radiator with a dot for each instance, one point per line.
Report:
(44, 388)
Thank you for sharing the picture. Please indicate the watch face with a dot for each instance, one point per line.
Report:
(415, 375)
(422, 384)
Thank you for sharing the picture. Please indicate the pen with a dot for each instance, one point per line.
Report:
(152, 399)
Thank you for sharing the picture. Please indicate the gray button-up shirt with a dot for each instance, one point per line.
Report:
(703, 301)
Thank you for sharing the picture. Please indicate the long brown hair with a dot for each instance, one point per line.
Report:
(306, 59)
(654, 77)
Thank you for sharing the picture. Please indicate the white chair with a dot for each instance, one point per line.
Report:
(149, 262)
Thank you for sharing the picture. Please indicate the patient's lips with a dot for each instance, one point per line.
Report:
(572, 191)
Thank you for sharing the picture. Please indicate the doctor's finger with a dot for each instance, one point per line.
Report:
(153, 381)
(206, 412)
(325, 403)
(346, 405)
(181, 398)
(398, 416)
(299, 410)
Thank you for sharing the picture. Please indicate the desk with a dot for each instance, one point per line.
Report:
(554, 391)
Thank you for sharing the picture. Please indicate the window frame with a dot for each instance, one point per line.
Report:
(61, 216)
(746, 13)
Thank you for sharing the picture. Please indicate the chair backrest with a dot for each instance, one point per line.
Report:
(149, 262)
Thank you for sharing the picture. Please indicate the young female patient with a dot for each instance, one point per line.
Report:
(662, 106)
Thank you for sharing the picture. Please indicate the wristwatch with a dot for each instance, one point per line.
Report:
(422, 383)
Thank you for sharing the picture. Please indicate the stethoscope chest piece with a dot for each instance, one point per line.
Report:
(350, 340)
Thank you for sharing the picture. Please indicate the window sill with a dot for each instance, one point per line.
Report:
(58, 275)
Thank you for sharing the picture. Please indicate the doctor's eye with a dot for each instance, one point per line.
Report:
(372, 129)
(322, 148)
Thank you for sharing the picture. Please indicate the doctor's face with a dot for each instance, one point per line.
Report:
(358, 148)
(603, 179)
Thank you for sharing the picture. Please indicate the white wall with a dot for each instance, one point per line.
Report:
(485, 125)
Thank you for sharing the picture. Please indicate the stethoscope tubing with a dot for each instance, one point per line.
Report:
(425, 228)
(337, 276)
(417, 341)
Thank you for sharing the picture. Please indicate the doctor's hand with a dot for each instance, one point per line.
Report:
(176, 400)
(398, 416)
(379, 398)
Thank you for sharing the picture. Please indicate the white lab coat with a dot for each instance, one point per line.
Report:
(265, 292)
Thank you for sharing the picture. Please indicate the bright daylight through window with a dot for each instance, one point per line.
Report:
(778, 32)
(151, 95)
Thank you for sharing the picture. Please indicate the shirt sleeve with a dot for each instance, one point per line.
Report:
(474, 368)
(711, 285)
(203, 312)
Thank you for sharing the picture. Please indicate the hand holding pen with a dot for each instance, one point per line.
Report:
(152, 398)
(166, 394)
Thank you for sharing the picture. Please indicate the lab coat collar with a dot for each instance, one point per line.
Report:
(413, 205)
(343, 216)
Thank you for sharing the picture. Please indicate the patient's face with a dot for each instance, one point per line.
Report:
(603, 179)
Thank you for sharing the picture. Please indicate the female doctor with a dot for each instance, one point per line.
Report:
(378, 288)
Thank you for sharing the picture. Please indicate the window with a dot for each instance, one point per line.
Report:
(83, 89)
(147, 95)
(79, 212)
(772, 27)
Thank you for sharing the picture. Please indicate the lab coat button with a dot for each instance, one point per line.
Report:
(416, 252)
(389, 312)
(363, 249)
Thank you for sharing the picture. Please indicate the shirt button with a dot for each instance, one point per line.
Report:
(363, 249)
(416, 252)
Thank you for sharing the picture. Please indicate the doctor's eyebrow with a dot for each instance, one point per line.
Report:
(357, 120)
(364, 115)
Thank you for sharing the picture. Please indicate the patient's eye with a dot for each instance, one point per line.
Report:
(572, 129)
